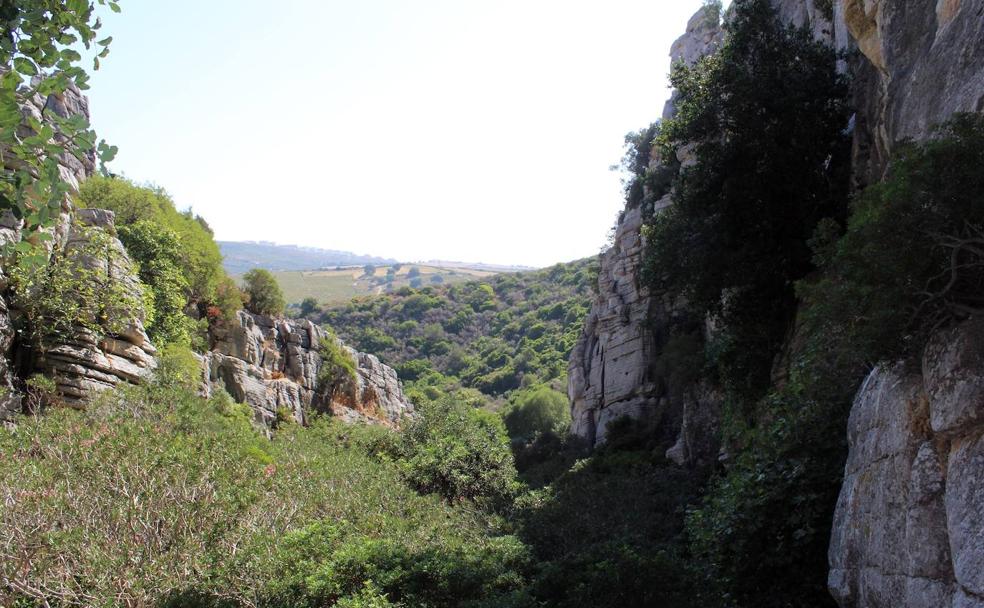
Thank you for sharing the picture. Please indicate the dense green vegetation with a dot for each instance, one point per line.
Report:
(488, 337)
(262, 294)
(762, 240)
(179, 261)
(154, 497)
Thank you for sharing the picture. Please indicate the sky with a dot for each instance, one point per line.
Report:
(470, 130)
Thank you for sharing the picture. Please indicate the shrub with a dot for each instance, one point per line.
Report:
(458, 452)
(157, 251)
(337, 364)
(911, 259)
(75, 288)
(154, 497)
(537, 411)
(263, 294)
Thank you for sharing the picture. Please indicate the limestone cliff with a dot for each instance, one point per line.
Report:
(273, 364)
(81, 362)
(612, 367)
(909, 526)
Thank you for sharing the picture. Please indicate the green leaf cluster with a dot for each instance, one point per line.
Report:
(38, 59)
(262, 293)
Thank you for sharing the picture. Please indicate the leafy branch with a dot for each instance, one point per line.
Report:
(38, 63)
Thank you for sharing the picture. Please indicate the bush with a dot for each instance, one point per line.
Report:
(263, 294)
(157, 251)
(911, 259)
(337, 364)
(537, 411)
(154, 497)
(458, 452)
(76, 288)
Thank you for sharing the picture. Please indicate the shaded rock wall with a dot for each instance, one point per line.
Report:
(909, 525)
(923, 61)
(612, 366)
(273, 364)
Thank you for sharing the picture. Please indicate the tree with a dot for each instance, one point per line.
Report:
(157, 251)
(538, 411)
(38, 57)
(308, 306)
(263, 294)
(369, 270)
(458, 452)
(764, 119)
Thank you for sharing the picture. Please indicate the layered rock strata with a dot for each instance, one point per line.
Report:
(612, 372)
(84, 363)
(273, 365)
(909, 525)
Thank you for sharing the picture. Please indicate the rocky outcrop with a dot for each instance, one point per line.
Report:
(909, 525)
(273, 365)
(84, 362)
(612, 372)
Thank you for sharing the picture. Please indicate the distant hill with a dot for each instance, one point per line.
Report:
(342, 283)
(239, 257)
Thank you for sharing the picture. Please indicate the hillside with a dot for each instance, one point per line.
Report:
(342, 283)
(241, 256)
(493, 335)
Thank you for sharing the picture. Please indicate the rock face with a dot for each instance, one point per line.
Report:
(909, 525)
(73, 171)
(84, 363)
(273, 364)
(611, 371)
(925, 61)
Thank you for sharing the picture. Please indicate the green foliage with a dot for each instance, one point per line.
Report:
(911, 259)
(38, 56)
(76, 287)
(458, 452)
(200, 260)
(607, 531)
(262, 294)
(157, 251)
(308, 306)
(153, 496)
(537, 411)
(766, 118)
(906, 265)
(337, 364)
(508, 331)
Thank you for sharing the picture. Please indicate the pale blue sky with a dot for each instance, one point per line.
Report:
(473, 130)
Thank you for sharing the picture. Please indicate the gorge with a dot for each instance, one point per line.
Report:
(603, 433)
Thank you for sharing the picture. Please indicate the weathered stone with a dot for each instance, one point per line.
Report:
(926, 62)
(908, 526)
(611, 370)
(273, 364)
